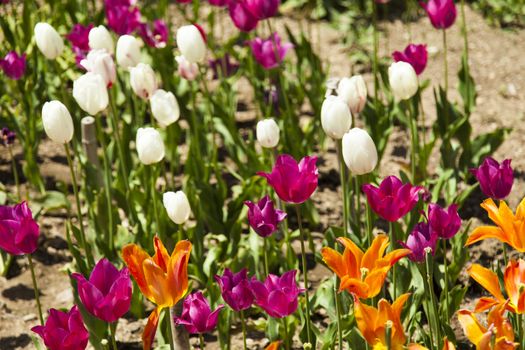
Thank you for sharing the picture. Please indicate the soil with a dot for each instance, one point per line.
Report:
(497, 66)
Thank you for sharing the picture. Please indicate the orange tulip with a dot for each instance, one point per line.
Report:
(273, 345)
(447, 345)
(162, 278)
(510, 228)
(362, 273)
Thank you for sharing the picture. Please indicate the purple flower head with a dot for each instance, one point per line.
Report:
(416, 55)
(63, 330)
(495, 179)
(442, 13)
(123, 19)
(235, 289)
(18, 230)
(392, 199)
(197, 316)
(263, 217)
(293, 182)
(445, 223)
(263, 9)
(107, 293)
(269, 52)
(156, 36)
(223, 67)
(13, 65)
(7, 137)
(277, 295)
(242, 16)
(219, 3)
(79, 36)
(421, 237)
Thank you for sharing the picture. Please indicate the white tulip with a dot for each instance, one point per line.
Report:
(91, 93)
(359, 152)
(403, 80)
(267, 133)
(101, 62)
(48, 40)
(128, 51)
(100, 39)
(150, 146)
(143, 80)
(177, 206)
(191, 43)
(353, 92)
(164, 107)
(57, 121)
(187, 70)
(336, 118)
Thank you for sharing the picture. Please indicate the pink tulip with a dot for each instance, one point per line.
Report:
(263, 217)
(156, 37)
(416, 55)
(495, 179)
(123, 19)
(263, 9)
(13, 65)
(242, 16)
(269, 52)
(442, 13)
(445, 223)
(421, 238)
(63, 330)
(235, 289)
(197, 316)
(18, 230)
(79, 36)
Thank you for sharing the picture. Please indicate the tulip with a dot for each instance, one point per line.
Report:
(128, 51)
(415, 55)
(63, 330)
(150, 146)
(187, 70)
(403, 80)
(241, 15)
(336, 118)
(57, 121)
(446, 223)
(7, 137)
(495, 179)
(197, 316)
(359, 152)
(164, 107)
(263, 9)
(267, 133)
(177, 206)
(277, 296)
(123, 19)
(13, 65)
(421, 238)
(162, 278)
(274, 345)
(100, 39)
(263, 217)
(442, 13)
(143, 80)
(158, 37)
(362, 273)
(79, 36)
(18, 230)
(191, 41)
(107, 293)
(269, 52)
(91, 93)
(235, 289)
(48, 40)
(353, 92)
(294, 183)
(101, 62)
(219, 3)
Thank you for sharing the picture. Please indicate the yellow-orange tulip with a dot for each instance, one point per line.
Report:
(162, 278)
(362, 273)
(273, 345)
(447, 345)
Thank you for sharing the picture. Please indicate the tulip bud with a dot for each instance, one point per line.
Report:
(359, 152)
(143, 81)
(177, 206)
(403, 80)
(48, 40)
(100, 39)
(336, 118)
(191, 43)
(353, 92)
(91, 93)
(164, 107)
(187, 70)
(150, 146)
(267, 133)
(101, 62)
(128, 51)
(57, 121)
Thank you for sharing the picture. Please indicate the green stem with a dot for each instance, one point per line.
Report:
(432, 298)
(342, 171)
(339, 319)
(412, 120)
(392, 247)
(357, 204)
(265, 253)
(113, 331)
(35, 288)
(201, 341)
(15, 172)
(465, 43)
(305, 272)
(243, 325)
(445, 61)
(375, 67)
(505, 258)
(169, 321)
(153, 181)
(447, 312)
(369, 225)
(285, 335)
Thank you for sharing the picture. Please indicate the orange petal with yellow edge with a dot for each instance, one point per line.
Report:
(448, 345)
(274, 345)
(366, 319)
(486, 232)
(159, 289)
(395, 255)
(354, 286)
(134, 256)
(471, 326)
(487, 279)
(178, 270)
(356, 251)
(334, 260)
(485, 303)
(375, 281)
(161, 257)
(375, 252)
(151, 328)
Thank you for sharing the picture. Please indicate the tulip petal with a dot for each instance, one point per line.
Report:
(366, 319)
(356, 251)
(485, 232)
(158, 286)
(178, 270)
(334, 260)
(471, 326)
(161, 256)
(134, 257)
(354, 286)
(151, 328)
(375, 252)
(487, 279)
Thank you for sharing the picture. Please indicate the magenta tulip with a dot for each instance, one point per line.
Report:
(13, 65)
(442, 13)
(294, 183)
(63, 330)
(263, 217)
(123, 19)
(79, 36)
(421, 238)
(197, 316)
(263, 9)
(416, 55)
(495, 179)
(219, 3)
(7, 137)
(445, 223)
(18, 230)
(241, 15)
(235, 289)
(156, 37)
(269, 52)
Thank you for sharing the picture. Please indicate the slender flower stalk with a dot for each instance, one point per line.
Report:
(35, 288)
(113, 332)
(305, 272)
(342, 173)
(445, 289)
(243, 325)
(445, 60)
(432, 306)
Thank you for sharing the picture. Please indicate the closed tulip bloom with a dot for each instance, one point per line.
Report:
(123, 19)
(101, 62)
(403, 80)
(57, 121)
(192, 43)
(336, 118)
(143, 80)
(442, 13)
(197, 316)
(48, 40)
(128, 51)
(263, 9)
(444, 222)
(13, 65)
(235, 289)
(241, 15)
(100, 39)
(107, 293)
(187, 70)
(269, 52)
(359, 152)
(421, 238)
(267, 133)
(18, 230)
(79, 36)
(278, 295)
(415, 55)
(263, 217)
(91, 93)
(150, 146)
(164, 107)
(293, 182)
(353, 92)
(177, 206)
(495, 179)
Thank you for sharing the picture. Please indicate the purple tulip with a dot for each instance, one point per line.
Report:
(442, 13)
(263, 9)
(445, 223)
(293, 183)
(235, 289)
(495, 179)
(79, 36)
(18, 230)
(107, 293)
(277, 295)
(263, 217)
(63, 330)
(7, 137)
(223, 67)
(269, 52)
(13, 65)
(241, 15)
(219, 3)
(416, 55)
(197, 316)
(392, 199)
(123, 19)
(421, 237)
(156, 37)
